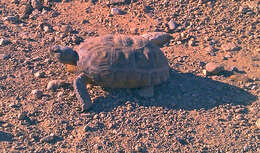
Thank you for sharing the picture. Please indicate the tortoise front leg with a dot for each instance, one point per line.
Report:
(82, 95)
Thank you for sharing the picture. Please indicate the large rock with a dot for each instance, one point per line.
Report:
(213, 68)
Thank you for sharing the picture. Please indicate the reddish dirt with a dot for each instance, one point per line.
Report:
(190, 113)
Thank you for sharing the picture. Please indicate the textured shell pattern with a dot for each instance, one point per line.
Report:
(122, 61)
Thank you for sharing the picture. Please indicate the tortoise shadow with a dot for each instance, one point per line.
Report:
(4, 136)
(182, 91)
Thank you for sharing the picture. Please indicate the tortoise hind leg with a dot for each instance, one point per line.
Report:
(82, 95)
(146, 92)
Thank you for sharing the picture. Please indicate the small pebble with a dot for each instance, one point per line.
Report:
(240, 110)
(229, 47)
(36, 4)
(179, 42)
(39, 74)
(15, 1)
(15, 105)
(96, 116)
(11, 19)
(66, 28)
(60, 94)
(97, 147)
(6, 125)
(4, 42)
(213, 68)
(228, 55)
(55, 84)
(212, 53)
(209, 49)
(138, 148)
(47, 60)
(134, 30)
(87, 128)
(129, 107)
(110, 125)
(257, 50)
(102, 115)
(36, 93)
(112, 2)
(50, 138)
(234, 69)
(172, 25)
(116, 11)
(89, 86)
(85, 21)
(257, 123)
(22, 116)
(246, 147)
(191, 42)
(4, 56)
(46, 29)
(239, 117)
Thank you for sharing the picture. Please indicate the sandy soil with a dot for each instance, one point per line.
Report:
(190, 113)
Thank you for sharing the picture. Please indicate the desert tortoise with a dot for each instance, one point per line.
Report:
(115, 61)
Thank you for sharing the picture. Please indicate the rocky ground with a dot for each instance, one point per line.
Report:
(192, 112)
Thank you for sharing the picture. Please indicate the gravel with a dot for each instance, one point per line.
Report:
(189, 113)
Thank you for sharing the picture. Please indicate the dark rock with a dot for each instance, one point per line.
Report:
(182, 141)
(93, 1)
(15, 1)
(85, 21)
(50, 138)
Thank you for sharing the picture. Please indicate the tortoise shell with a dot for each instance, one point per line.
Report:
(122, 61)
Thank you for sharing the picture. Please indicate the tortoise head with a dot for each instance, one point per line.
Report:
(65, 55)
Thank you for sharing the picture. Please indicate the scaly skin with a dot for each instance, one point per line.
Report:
(81, 92)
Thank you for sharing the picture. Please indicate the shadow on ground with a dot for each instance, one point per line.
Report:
(4, 136)
(182, 91)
